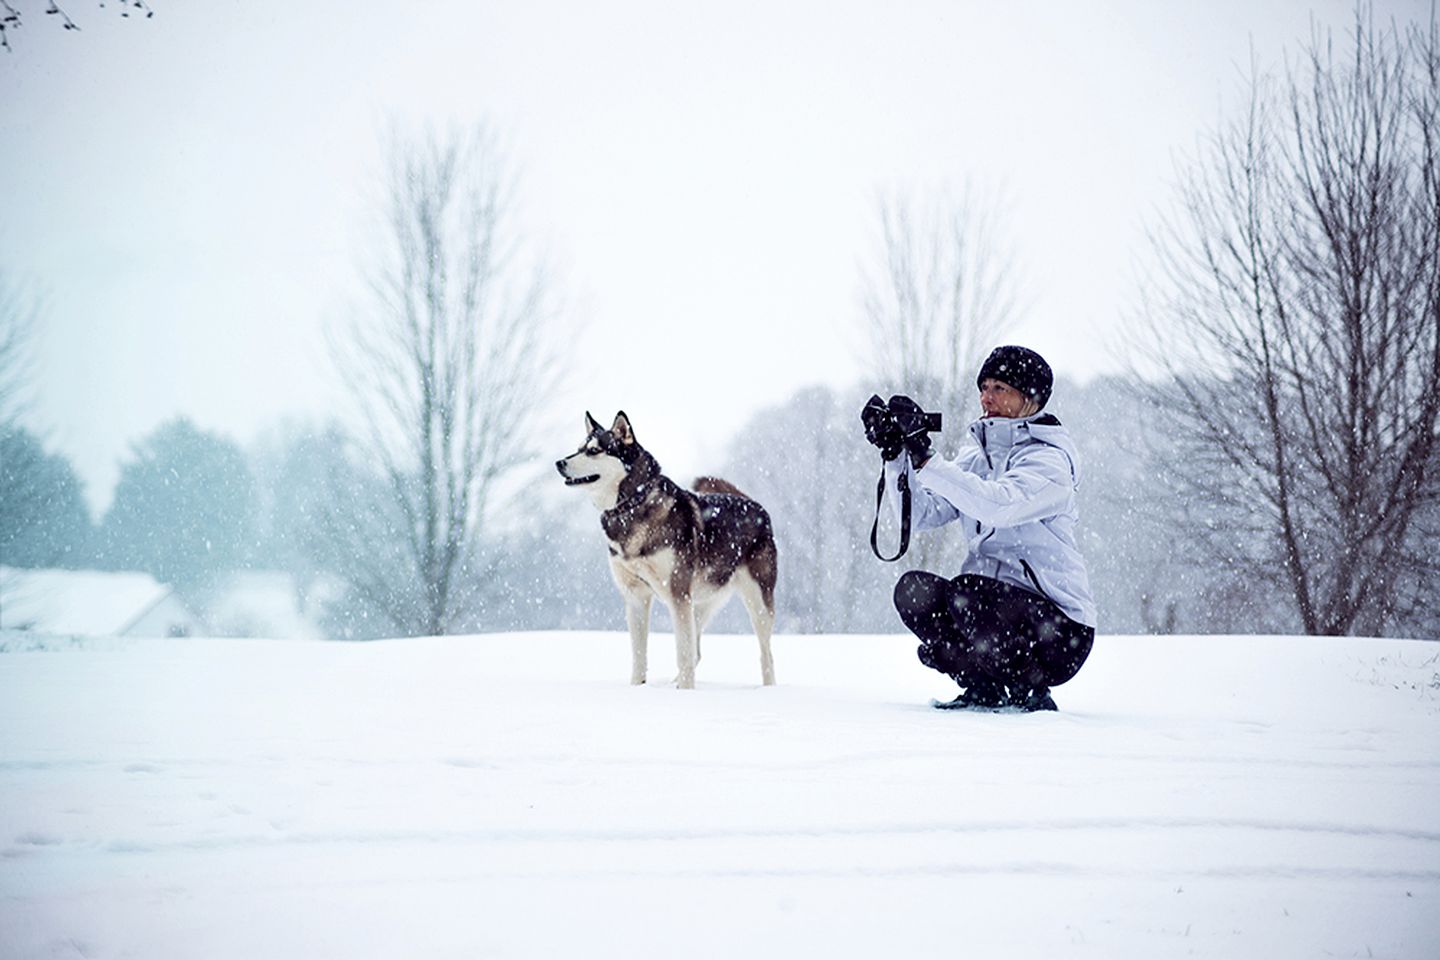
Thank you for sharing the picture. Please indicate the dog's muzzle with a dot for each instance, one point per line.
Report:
(574, 481)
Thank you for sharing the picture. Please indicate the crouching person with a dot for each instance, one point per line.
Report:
(1019, 619)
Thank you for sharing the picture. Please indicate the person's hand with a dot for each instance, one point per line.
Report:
(918, 447)
(881, 429)
(911, 416)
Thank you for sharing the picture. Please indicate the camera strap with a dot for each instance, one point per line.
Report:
(904, 483)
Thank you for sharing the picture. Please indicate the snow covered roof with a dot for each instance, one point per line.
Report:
(90, 602)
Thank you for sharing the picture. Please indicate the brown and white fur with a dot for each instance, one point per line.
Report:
(692, 549)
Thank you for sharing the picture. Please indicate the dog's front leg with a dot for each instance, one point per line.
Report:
(637, 616)
(686, 643)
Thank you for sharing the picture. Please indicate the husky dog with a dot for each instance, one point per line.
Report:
(691, 549)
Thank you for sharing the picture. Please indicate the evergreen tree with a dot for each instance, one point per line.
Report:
(44, 521)
(183, 508)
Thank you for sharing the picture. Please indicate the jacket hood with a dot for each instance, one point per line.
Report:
(999, 433)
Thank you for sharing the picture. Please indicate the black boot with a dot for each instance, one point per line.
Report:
(977, 695)
(1032, 700)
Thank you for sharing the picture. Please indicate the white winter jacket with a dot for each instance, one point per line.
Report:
(1013, 491)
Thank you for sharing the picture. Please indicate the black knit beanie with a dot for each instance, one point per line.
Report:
(1022, 368)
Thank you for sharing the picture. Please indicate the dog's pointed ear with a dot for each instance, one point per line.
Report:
(591, 426)
(621, 428)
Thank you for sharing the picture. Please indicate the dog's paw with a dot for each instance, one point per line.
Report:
(637, 681)
(685, 683)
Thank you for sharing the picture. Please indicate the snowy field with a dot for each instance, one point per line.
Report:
(512, 796)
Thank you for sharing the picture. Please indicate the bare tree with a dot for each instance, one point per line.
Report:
(1296, 325)
(943, 288)
(13, 17)
(23, 499)
(818, 495)
(445, 362)
(18, 312)
(14, 340)
(21, 502)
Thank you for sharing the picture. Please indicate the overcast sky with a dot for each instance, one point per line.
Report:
(191, 193)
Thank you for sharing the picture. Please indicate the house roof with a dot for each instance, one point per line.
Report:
(88, 602)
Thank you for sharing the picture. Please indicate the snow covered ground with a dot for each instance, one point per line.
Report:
(511, 796)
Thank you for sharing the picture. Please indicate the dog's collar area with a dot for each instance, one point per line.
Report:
(632, 501)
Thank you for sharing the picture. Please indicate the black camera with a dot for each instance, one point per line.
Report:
(897, 425)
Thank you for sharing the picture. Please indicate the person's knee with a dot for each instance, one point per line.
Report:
(926, 653)
(909, 582)
(916, 592)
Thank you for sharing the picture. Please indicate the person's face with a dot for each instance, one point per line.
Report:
(999, 399)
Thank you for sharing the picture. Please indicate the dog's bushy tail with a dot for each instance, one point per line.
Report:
(716, 485)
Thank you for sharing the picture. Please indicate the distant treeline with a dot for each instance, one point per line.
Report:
(191, 506)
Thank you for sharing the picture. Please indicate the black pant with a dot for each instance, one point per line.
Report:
(985, 633)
